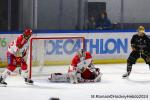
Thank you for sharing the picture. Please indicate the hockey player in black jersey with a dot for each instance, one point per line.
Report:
(140, 44)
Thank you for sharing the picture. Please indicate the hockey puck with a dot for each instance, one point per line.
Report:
(53, 98)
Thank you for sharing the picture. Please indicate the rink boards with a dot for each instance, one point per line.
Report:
(106, 47)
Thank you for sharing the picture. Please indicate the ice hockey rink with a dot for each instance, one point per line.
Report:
(111, 84)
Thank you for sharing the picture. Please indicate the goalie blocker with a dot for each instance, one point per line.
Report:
(81, 70)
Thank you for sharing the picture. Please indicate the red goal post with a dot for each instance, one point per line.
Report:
(39, 43)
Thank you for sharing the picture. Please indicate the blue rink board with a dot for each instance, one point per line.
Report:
(71, 31)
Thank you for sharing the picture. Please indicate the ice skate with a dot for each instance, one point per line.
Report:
(126, 75)
(2, 82)
(28, 81)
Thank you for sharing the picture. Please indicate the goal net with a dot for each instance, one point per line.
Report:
(47, 52)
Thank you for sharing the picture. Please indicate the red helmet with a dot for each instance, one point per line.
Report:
(27, 33)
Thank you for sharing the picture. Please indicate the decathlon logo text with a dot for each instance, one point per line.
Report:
(107, 46)
(60, 47)
(97, 46)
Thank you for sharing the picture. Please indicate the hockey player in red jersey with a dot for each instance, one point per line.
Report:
(81, 70)
(15, 56)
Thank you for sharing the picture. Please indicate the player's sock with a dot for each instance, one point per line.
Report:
(5, 74)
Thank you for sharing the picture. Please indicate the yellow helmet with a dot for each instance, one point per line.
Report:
(141, 29)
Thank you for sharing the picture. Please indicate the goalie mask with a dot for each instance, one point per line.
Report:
(81, 54)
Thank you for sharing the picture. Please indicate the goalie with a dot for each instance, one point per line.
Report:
(81, 70)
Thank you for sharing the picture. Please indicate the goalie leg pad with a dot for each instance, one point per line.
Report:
(98, 78)
(58, 77)
(73, 77)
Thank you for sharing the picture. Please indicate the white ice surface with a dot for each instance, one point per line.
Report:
(111, 84)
